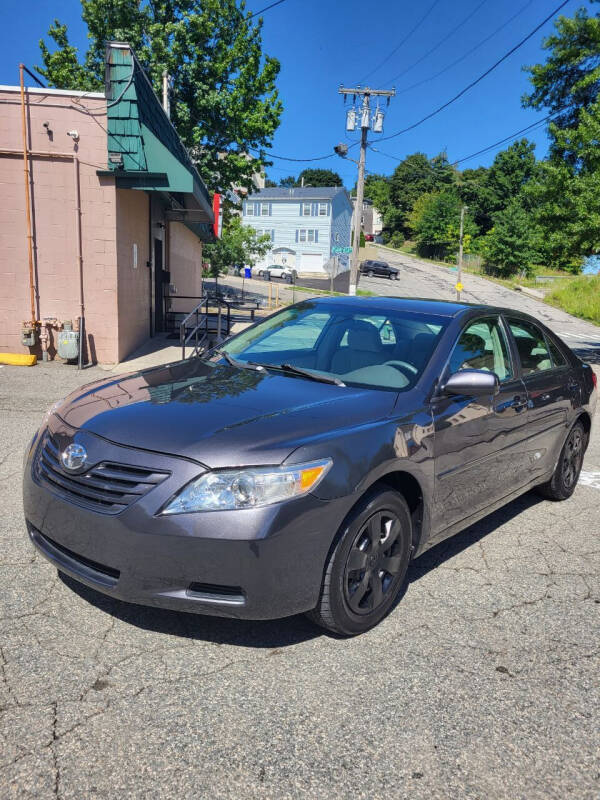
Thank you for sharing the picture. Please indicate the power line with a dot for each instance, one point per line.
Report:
(468, 53)
(480, 78)
(500, 142)
(262, 11)
(406, 38)
(440, 43)
(288, 158)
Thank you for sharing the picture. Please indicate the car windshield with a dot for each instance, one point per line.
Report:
(377, 348)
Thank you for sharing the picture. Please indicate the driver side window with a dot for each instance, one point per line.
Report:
(482, 345)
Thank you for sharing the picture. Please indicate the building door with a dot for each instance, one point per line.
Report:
(312, 262)
(159, 301)
(481, 447)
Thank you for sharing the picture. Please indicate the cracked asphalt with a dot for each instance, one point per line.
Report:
(482, 683)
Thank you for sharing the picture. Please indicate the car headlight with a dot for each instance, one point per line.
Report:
(247, 488)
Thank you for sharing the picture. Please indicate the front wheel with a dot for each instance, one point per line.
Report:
(367, 565)
(566, 474)
(370, 273)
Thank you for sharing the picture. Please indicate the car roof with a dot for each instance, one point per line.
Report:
(422, 305)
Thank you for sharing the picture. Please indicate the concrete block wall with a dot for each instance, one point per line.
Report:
(54, 218)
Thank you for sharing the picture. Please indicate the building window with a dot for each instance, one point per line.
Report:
(265, 210)
(265, 232)
(307, 235)
(322, 209)
(306, 210)
(249, 209)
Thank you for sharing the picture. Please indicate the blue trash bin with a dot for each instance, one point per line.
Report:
(247, 272)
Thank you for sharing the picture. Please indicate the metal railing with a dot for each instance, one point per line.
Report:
(195, 329)
(212, 317)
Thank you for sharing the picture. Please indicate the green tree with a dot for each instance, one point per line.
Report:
(377, 190)
(569, 80)
(238, 245)
(511, 170)
(224, 101)
(475, 193)
(510, 245)
(288, 182)
(414, 176)
(564, 195)
(435, 223)
(319, 177)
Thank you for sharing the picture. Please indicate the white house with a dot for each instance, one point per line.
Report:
(304, 225)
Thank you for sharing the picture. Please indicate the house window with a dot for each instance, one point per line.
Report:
(265, 232)
(265, 211)
(322, 209)
(306, 210)
(249, 209)
(307, 235)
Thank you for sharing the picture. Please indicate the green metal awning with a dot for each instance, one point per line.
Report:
(144, 150)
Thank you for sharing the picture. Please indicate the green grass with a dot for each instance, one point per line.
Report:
(361, 292)
(579, 296)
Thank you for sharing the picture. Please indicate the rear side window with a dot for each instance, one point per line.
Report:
(558, 358)
(532, 347)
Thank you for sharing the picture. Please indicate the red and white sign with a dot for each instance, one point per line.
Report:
(218, 213)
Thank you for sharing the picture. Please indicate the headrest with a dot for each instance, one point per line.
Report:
(363, 336)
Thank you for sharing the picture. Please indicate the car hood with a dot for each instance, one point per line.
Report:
(219, 415)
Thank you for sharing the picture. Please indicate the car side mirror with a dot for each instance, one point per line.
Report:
(472, 383)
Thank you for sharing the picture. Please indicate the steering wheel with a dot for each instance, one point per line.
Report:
(402, 365)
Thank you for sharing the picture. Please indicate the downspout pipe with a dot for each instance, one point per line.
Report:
(77, 195)
(26, 175)
(77, 190)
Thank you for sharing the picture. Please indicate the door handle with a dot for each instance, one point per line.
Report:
(519, 403)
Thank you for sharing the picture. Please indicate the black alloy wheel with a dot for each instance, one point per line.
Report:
(367, 564)
(373, 563)
(572, 458)
(566, 474)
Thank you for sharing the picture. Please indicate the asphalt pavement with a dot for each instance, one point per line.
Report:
(482, 683)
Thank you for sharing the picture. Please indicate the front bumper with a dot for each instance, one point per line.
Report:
(259, 563)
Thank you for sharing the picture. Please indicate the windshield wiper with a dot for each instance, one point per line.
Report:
(308, 373)
(240, 364)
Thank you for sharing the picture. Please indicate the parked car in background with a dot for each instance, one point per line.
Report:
(369, 237)
(302, 464)
(274, 271)
(380, 268)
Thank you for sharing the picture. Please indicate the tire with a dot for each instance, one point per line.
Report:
(357, 591)
(566, 474)
(370, 273)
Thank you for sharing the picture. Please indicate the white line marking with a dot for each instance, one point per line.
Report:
(576, 336)
(591, 479)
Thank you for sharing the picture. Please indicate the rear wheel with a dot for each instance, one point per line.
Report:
(370, 273)
(367, 565)
(564, 480)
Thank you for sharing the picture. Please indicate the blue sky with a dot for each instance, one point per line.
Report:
(322, 43)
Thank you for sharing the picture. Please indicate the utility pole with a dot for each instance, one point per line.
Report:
(366, 120)
(459, 285)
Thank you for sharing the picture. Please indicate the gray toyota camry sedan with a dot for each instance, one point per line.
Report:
(301, 465)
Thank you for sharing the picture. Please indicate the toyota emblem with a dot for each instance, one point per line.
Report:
(73, 456)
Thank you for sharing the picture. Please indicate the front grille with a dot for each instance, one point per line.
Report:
(107, 487)
(49, 545)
